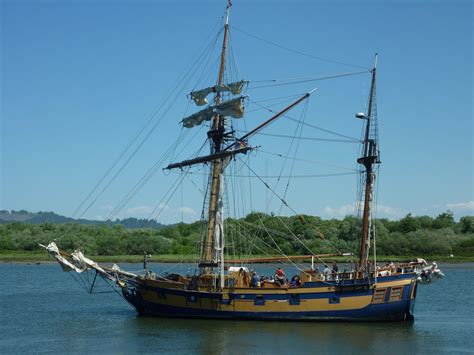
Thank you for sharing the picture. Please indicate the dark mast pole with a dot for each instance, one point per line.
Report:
(369, 158)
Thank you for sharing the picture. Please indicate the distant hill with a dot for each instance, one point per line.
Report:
(51, 217)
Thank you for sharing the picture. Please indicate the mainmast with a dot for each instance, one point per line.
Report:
(224, 146)
(369, 158)
(216, 135)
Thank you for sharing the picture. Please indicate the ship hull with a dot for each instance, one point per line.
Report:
(390, 299)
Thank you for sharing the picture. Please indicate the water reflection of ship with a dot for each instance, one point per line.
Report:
(268, 337)
(221, 288)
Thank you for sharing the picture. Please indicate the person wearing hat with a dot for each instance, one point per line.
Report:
(280, 277)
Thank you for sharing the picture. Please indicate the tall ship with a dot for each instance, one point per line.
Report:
(227, 288)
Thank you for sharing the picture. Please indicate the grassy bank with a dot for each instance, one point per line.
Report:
(174, 258)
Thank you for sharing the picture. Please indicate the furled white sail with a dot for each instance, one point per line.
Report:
(219, 231)
(53, 250)
(199, 96)
(85, 263)
(78, 262)
(199, 117)
(233, 108)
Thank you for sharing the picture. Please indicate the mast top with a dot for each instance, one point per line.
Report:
(229, 5)
(311, 91)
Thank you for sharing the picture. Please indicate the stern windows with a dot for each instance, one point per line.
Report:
(379, 295)
(396, 294)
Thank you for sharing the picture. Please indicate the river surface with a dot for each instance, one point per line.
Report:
(43, 309)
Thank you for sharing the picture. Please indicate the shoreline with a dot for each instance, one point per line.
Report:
(43, 257)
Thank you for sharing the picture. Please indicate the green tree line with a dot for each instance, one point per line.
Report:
(256, 234)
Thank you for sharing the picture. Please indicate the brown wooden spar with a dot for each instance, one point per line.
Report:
(369, 158)
(207, 158)
(282, 258)
(271, 119)
(227, 152)
(216, 136)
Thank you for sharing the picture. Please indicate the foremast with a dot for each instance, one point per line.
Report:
(214, 236)
(370, 157)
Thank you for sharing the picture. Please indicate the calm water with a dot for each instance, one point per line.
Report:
(43, 309)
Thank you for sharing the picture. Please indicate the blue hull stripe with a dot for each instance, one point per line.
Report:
(251, 296)
(343, 292)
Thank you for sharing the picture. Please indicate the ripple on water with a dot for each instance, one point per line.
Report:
(44, 310)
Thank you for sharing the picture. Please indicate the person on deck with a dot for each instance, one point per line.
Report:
(327, 273)
(280, 277)
(295, 281)
(255, 280)
(369, 266)
(335, 270)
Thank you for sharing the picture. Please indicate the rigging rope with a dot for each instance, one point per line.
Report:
(303, 116)
(160, 205)
(265, 107)
(299, 81)
(277, 248)
(309, 124)
(294, 96)
(138, 134)
(309, 161)
(297, 176)
(151, 172)
(233, 57)
(268, 187)
(297, 51)
(282, 176)
(145, 178)
(298, 128)
(281, 221)
(303, 138)
(323, 129)
(181, 177)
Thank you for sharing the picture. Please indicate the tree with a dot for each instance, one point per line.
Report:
(444, 220)
(408, 224)
(467, 224)
(424, 222)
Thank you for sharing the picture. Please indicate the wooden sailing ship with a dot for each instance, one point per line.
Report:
(224, 288)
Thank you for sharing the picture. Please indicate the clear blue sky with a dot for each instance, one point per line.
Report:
(79, 78)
